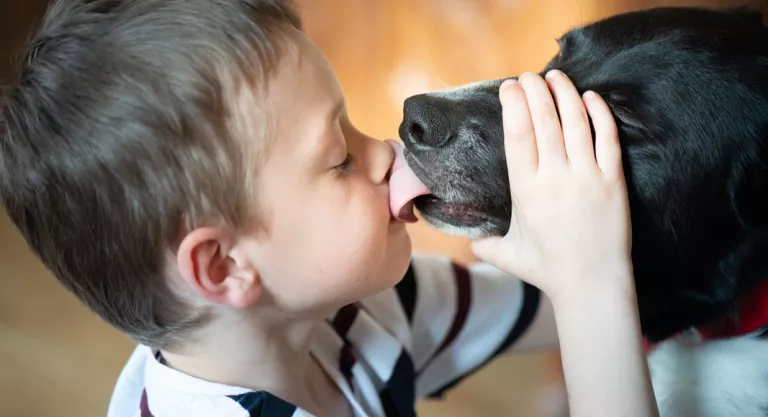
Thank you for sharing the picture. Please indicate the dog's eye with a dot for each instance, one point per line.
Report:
(346, 167)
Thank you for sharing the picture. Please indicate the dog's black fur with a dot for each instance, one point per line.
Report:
(689, 90)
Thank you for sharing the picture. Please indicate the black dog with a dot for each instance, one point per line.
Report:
(689, 91)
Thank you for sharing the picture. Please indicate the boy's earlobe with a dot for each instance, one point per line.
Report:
(211, 266)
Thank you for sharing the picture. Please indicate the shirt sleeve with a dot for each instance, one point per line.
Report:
(460, 318)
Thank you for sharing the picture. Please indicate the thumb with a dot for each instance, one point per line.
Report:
(495, 251)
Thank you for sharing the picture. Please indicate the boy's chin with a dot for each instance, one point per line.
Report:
(399, 262)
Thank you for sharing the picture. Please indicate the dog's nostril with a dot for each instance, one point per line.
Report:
(416, 133)
(425, 122)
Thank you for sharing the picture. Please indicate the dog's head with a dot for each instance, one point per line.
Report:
(689, 91)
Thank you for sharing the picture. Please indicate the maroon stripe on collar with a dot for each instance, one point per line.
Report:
(144, 405)
(463, 301)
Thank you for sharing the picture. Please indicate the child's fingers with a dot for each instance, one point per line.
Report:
(576, 132)
(519, 137)
(607, 148)
(546, 123)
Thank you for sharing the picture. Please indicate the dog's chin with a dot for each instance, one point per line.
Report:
(459, 219)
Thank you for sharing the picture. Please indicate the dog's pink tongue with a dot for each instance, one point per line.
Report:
(404, 186)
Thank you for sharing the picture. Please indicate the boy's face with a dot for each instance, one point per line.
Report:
(323, 194)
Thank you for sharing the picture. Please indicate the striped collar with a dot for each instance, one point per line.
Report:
(368, 364)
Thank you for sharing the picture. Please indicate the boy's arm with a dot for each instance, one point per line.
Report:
(460, 318)
(609, 373)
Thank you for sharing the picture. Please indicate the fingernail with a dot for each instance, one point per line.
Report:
(590, 95)
(555, 73)
(508, 83)
(505, 90)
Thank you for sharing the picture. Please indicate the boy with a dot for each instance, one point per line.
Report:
(187, 169)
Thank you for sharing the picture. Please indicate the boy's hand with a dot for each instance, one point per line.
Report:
(570, 229)
(570, 236)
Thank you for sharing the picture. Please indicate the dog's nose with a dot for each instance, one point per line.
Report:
(425, 122)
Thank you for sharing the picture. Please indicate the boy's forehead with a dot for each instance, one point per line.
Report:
(293, 100)
(303, 76)
(299, 100)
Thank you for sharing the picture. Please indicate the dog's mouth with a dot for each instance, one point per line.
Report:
(412, 187)
(456, 214)
(417, 189)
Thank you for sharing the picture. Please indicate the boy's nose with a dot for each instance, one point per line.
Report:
(383, 158)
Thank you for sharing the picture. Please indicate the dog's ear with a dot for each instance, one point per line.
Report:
(624, 106)
(749, 185)
(749, 194)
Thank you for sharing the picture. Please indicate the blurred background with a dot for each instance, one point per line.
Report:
(57, 359)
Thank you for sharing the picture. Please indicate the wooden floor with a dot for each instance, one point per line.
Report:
(57, 359)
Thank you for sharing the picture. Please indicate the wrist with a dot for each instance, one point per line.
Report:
(605, 310)
(602, 349)
(608, 286)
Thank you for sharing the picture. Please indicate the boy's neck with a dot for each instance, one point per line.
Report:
(262, 355)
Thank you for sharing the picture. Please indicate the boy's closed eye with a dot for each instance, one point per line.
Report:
(346, 167)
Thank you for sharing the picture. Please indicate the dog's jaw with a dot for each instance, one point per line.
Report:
(473, 232)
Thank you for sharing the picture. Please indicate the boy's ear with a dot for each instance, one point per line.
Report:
(215, 268)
